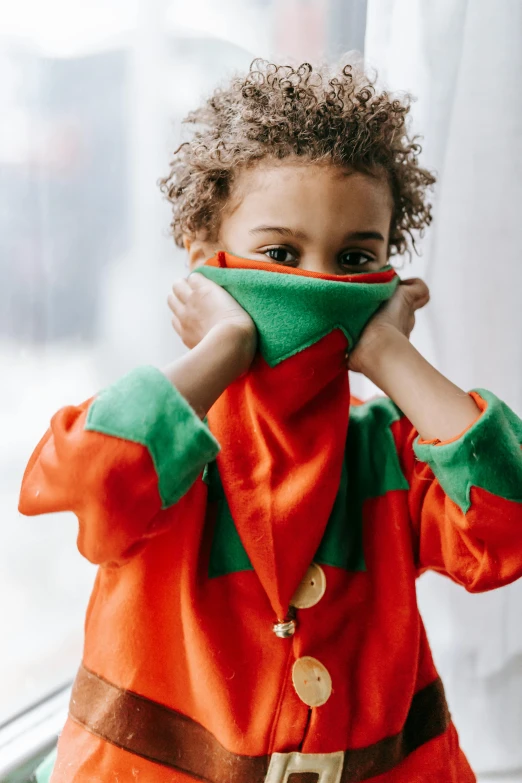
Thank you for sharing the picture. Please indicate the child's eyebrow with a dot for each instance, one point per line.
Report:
(364, 235)
(279, 230)
(351, 236)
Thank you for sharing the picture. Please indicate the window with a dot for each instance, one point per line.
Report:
(92, 99)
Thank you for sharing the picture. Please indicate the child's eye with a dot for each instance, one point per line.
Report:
(281, 255)
(355, 258)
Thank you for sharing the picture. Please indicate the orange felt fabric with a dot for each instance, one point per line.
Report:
(157, 625)
(88, 473)
(228, 261)
(280, 469)
(283, 447)
(480, 550)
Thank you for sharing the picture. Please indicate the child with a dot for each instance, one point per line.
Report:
(254, 615)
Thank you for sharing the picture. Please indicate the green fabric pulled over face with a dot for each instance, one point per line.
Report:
(292, 312)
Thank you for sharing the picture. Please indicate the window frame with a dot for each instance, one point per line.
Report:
(27, 737)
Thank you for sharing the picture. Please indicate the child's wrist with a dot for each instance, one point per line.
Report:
(378, 351)
(239, 344)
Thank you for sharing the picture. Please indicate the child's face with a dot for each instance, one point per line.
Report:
(313, 216)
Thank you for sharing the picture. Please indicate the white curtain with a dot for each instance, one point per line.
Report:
(463, 61)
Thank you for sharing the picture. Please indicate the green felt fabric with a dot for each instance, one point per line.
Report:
(44, 771)
(487, 456)
(144, 407)
(342, 541)
(371, 469)
(227, 553)
(293, 312)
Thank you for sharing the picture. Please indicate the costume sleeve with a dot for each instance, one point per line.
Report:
(465, 498)
(118, 461)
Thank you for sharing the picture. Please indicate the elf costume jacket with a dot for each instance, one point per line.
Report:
(254, 616)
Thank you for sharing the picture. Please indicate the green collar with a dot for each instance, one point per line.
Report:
(292, 312)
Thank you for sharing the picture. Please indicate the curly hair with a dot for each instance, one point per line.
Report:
(278, 111)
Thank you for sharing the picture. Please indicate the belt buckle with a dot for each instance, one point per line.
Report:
(329, 766)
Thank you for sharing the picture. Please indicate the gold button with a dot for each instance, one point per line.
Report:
(311, 589)
(312, 681)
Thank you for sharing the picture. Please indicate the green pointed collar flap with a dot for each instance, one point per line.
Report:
(296, 309)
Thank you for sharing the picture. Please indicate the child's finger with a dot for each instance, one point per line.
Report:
(416, 292)
(197, 281)
(182, 290)
(176, 324)
(175, 305)
(420, 301)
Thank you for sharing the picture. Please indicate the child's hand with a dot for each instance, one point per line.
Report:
(437, 408)
(200, 306)
(397, 315)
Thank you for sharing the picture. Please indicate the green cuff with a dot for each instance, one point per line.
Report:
(487, 456)
(144, 407)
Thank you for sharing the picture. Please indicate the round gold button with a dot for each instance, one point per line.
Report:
(312, 681)
(311, 589)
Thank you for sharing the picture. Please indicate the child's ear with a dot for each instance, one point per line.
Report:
(198, 251)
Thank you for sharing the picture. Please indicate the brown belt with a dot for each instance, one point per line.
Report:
(164, 736)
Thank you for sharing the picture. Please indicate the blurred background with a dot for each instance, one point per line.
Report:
(91, 100)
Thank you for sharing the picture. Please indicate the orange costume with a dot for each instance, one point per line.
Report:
(254, 616)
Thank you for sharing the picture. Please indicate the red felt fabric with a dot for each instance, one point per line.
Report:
(283, 432)
(481, 549)
(158, 625)
(89, 473)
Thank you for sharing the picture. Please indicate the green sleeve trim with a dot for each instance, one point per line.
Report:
(486, 456)
(286, 327)
(144, 407)
(371, 469)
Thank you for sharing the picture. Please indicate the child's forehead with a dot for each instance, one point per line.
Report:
(279, 184)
